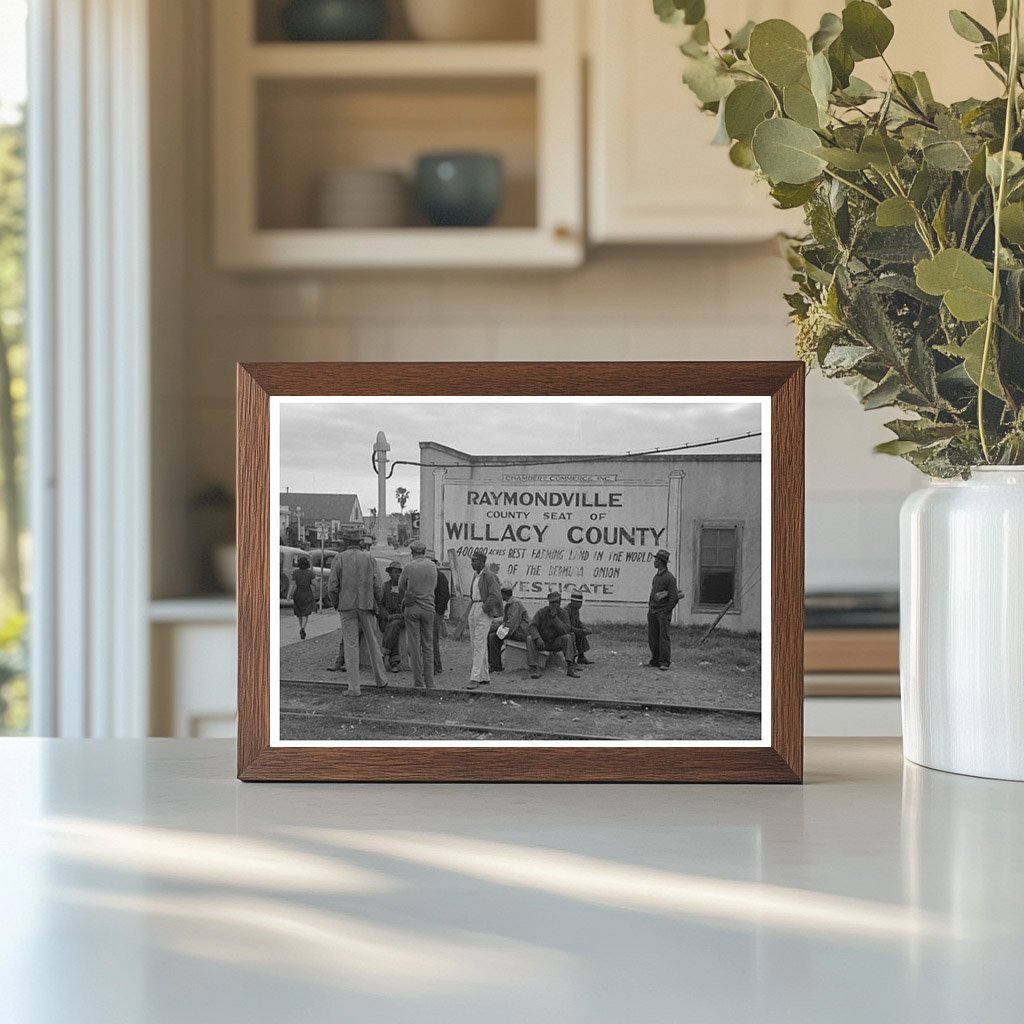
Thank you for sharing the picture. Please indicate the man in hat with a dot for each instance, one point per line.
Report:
(579, 631)
(484, 606)
(391, 618)
(550, 631)
(355, 590)
(442, 597)
(417, 584)
(664, 598)
(514, 624)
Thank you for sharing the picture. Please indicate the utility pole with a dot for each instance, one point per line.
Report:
(381, 449)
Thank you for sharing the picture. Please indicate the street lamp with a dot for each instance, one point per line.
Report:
(298, 538)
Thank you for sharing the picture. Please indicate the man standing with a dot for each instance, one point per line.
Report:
(417, 585)
(550, 631)
(664, 598)
(484, 606)
(355, 591)
(391, 618)
(514, 625)
(579, 631)
(442, 597)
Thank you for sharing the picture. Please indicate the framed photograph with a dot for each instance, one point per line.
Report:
(519, 572)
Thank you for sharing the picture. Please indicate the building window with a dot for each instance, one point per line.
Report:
(719, 555)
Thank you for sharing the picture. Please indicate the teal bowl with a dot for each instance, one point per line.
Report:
(334, 21)
(460, 190)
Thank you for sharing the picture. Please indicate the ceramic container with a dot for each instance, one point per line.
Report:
(334, 20)
(471, 20)
(460, 189)
(962, 624)
(361, 198)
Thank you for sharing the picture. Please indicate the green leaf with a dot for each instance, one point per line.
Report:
(739, 41)
(968, 28)
(841, 60)
(999, 6)
(785, 152)
(778, 50)
(895, 447)
(946, 156)
(866, 29)
(830, 29)
(924, 87)
(1012, 224)
(745, 108)
(885, 394)
(923, 431)
(858, 91)
(844, 159)
(976, 174)
(701, 33)
(963, 281)
(708, 81)
(922, 185)
(820, 76)
(801, 106)
(676, 12)
(971, 352)
(1014, 169)
(741, 155)
(883, 153)
(896, 212)
(789, 197)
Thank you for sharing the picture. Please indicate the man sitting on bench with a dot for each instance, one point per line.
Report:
(513, 625)
(550, 631)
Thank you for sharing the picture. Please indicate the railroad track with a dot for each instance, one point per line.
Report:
(444, 729)
(613, 704)
(312, 703)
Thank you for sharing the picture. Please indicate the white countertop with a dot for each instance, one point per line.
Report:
(143, 884)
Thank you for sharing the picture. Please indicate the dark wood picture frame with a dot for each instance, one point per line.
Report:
(780, 761)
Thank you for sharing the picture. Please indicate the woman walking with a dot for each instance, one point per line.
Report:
(303, 601)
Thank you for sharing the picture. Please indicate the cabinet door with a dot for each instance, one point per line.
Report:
(654, 175)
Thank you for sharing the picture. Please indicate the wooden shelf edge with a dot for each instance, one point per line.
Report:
(392, 60)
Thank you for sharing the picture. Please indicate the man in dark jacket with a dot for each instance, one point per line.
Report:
(513, 625)
(442, 598)
(390, 618)
(664, 598)
(580, 632)
(550, 631)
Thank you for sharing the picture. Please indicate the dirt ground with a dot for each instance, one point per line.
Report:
(724, 673)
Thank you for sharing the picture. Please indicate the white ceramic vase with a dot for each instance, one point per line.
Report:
(962, 624)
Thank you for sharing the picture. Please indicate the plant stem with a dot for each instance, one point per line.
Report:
(993, 309)
(855, 187)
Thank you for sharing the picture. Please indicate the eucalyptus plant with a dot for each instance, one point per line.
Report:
(910, 278)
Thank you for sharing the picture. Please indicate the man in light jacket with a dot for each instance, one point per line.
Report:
(354, 588)
(485, 606)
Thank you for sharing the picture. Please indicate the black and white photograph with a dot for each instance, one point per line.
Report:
(568, 571)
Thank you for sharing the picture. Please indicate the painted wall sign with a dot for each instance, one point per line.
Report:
(594, 534)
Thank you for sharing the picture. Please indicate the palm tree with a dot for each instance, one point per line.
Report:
(402, 497)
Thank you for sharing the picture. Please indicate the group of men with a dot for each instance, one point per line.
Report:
(412, 593)
(415, 599)
(494, 621)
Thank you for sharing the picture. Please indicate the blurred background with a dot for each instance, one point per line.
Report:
(248, 180)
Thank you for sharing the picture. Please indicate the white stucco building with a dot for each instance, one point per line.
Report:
(594, 523)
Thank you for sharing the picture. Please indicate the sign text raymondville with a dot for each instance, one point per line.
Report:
(597, 537)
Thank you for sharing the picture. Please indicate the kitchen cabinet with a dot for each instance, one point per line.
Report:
(287, 113)
(653, 175)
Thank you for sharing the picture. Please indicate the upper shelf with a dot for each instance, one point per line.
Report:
(393, 60)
